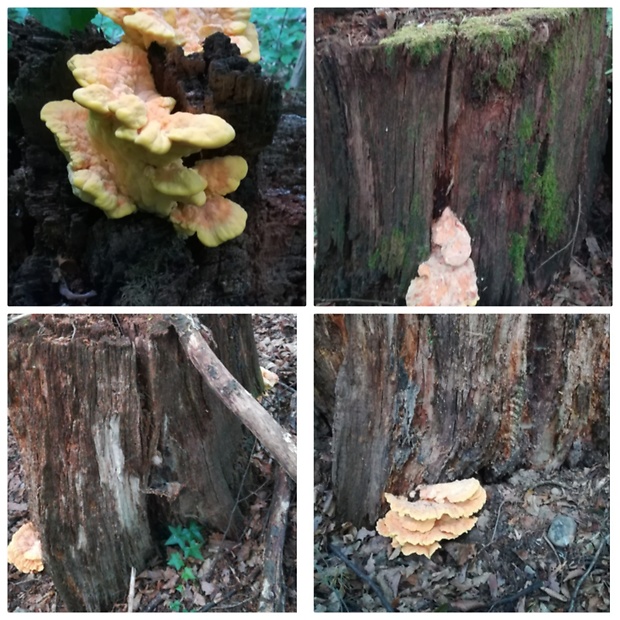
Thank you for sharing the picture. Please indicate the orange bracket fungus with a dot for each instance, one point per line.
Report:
(448, 277)
(125, 145)
(24, 550)
(443, 512)
(187, 27)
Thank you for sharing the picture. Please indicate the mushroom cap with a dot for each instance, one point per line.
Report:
(402, 529)
(187, 27)
(222, 174)
(457, 491)
(215, 222)
(440, 284)
(451, 235)
(448, 276)
(24, 550)
(269, 378)
(443, 513)
(427, 550)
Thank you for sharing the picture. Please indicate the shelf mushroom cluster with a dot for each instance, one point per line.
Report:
(448, 277)
(24, 550)
(443, 512)
(125, 145)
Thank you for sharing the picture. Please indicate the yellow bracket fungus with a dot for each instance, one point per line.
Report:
(187, 27)
(124, 144)
(448, 276)
(443, 512)
(24, 550)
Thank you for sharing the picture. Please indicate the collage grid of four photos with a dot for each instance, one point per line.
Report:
(309, 309)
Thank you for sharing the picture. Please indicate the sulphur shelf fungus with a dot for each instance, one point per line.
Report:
(187, 27)
(448, 277)
(24, 550)
(443, 512)
(125, 145)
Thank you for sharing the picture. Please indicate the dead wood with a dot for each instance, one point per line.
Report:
(273, 589)
(118, 438)
(279, 443)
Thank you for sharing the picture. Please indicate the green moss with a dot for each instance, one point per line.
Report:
(525, 130)
(390, 253)
(506, 75)
(507, 29)
(526, 153)
(487, 32)
(422, 43)
(481, 82)
(551, 216)
(516, 253)
(390, 54)
(401, 251)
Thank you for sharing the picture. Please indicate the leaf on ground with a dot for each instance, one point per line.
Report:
(207, 587)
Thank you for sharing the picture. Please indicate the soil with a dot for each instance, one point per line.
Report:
(63, 251)
(229, 579)
(505, 563)
(588, 279)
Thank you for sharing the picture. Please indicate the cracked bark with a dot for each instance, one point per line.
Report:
(396, 142)
(119, 438)
(423, 399)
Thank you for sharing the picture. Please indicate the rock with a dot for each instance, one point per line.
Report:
(562, 531)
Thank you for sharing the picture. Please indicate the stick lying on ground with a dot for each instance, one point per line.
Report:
(280, 444)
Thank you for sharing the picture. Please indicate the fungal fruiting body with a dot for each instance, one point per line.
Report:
(187, 27)
(448, 277)
(443, 512)
(24, 550)
(124, 144)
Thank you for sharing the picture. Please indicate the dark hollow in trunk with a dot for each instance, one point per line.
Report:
(502, 119)
(120, 437)
(415, 398)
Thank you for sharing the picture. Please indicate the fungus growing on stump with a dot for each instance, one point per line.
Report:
(443, 512)
(24, 550)
(125, 145)
(448, 277)
(187, 27)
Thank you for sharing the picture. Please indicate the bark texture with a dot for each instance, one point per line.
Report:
(120, 437)
(504, 123)
(278, 442)
(431, 399)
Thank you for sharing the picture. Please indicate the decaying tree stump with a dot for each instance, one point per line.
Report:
(140, 260)
(415, 398)
(119, 437)
(501, 118)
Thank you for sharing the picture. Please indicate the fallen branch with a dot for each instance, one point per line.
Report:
(132, 590)
(511, 598)
(362, 575)
(272, 592)
(280, 444)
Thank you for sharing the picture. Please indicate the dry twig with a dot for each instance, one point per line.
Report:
(362, 575)
(573, 598)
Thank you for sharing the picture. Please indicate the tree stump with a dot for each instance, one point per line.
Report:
(140, 260)
(415, 398)
(501, 117)
(119, 437)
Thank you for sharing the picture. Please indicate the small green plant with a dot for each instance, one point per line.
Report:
(281, 33)
(189, 540)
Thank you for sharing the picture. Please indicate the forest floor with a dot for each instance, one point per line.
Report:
(506, 563)
(229, 578)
